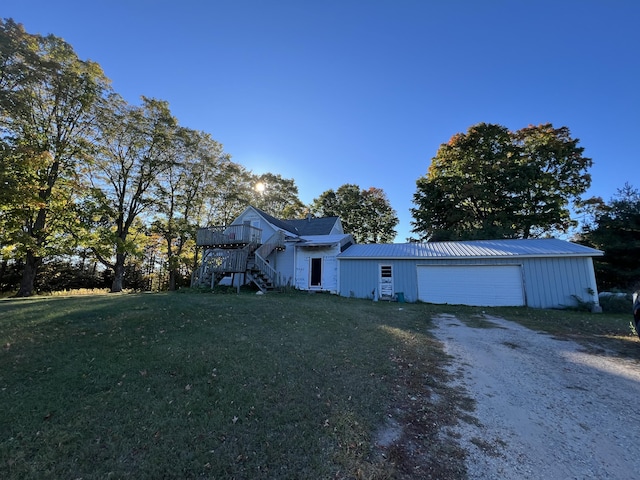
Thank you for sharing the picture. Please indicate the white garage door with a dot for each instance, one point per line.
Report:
(481, 285)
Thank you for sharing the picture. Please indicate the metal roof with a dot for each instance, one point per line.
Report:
(323, 240)
(547, 247)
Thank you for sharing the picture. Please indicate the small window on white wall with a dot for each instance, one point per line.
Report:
(386, 281)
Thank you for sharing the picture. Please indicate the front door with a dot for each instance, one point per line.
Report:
(316, 272)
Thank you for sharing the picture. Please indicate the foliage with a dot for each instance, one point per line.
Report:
(228, 195)
(615, 228)
(616, 303)
(47, 95)
(493, 183)
(134, 150)
(365, 214)
(276, 196)
(179, 194)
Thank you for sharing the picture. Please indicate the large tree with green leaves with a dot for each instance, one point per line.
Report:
(493, 183)
(227, 194)
(181, 193)
(47, 99)
(365, 214)
(134, 151)
(615, 229)
(276, 196)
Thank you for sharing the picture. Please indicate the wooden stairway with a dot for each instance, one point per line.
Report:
(250, 260)
(258, 277)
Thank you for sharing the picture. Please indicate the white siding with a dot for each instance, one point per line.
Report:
(330, 273)
(257, 221)
(329, 279)
(283, 263)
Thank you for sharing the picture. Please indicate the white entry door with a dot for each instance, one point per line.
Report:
(385, 283)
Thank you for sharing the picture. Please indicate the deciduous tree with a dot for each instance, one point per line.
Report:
(276, 196)
(227, 194)
(365, 214)
(493, 183)
(47, 99)
(134, 144)
(180, 193)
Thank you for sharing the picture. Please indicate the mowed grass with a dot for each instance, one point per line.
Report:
(209, 386)
(612, 332)
(286, 386)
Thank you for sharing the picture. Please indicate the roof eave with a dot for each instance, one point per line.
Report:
(474, 257)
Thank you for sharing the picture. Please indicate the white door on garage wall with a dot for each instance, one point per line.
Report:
(481, 285)
(385, 282)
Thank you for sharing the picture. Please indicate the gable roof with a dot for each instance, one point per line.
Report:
(313, 226)
(305, 226)
(547, 247)
(276, 222)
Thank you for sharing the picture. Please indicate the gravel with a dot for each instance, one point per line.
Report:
(546, 408)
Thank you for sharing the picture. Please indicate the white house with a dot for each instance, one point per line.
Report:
(270, 252)
(315, 254)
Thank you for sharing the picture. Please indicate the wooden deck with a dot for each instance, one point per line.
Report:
(233, 236)
(237, 249)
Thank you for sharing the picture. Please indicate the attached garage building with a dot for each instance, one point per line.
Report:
(539, 273)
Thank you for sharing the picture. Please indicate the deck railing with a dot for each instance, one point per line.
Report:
(226, 261)
(231, 235)
(227, 250)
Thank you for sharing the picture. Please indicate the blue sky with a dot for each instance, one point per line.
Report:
(329, 92)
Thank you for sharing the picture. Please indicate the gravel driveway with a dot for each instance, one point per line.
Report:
(547, 408)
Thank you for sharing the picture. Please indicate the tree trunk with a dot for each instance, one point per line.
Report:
(3, 271)
(172, 266)
(31, 265)
(172, 279)
(118, 271)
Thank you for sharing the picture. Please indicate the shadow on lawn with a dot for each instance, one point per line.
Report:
(225, 386)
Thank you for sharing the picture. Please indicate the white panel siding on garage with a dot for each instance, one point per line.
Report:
(359, 278)
(548, 282)
(482, 285)
(556, 282)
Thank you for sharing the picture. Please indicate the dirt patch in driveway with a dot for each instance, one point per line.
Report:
(546, 408)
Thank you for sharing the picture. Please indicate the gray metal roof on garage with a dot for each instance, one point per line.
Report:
(548, 247)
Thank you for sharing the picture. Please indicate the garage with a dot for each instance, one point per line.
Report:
(480, 285)
(538, 273)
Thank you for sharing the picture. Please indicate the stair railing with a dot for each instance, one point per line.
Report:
(276, 241)
(267, 270)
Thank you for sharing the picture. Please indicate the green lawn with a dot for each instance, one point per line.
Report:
(236, 386)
